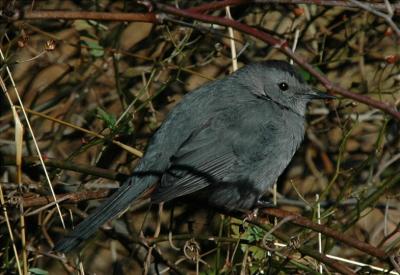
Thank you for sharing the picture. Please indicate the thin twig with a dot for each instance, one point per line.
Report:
(88, 15)
(305, 250)
(151, 17)
(3, 205)
(246, 241)
(21, 105)
(283, 47)
(386, 17)
(86, 169)
(194, 14)
(128, 148)
(319, 233)
(362, 264)
(70, 198)
(216, 5)
(304, 222)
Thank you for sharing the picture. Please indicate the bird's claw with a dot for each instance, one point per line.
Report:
(264, 204)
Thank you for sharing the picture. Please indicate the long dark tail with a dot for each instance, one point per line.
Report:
(132, 189)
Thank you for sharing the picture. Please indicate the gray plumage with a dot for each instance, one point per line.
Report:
(227, 142)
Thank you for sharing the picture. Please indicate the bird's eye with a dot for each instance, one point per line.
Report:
(283, 86)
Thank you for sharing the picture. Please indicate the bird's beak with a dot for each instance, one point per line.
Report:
(316, 94)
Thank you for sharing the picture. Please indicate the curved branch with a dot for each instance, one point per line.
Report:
(193, 13)
(151, 17)
(283, 47)
(330, 3)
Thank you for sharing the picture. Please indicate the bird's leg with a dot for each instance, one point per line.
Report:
(264, 204)
(260, 204)
(252, 215)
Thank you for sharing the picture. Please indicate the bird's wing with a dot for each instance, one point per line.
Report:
(203, 159)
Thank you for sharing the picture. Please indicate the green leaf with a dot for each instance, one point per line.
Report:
(237, 227)
(38, 271)
(81, 25)
(257, 252)
(254, 233)
(95, 48)
(306, 75)
(98, 25)
(109, 119)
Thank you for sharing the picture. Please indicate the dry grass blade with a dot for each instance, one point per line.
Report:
(232, 41)
(18, 141)
(127, 148)
(97, 84)
(19, 136)
(32, 134)
(10, 232)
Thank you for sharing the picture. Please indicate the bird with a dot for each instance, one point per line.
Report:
(225, 144)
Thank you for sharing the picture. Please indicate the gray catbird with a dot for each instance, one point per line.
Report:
(227, 142)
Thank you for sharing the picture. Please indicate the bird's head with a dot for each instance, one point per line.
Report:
(280, 82)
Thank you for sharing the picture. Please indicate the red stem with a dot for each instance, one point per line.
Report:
(283, 47)
(333, 3)
(194, 13)
(89, 15)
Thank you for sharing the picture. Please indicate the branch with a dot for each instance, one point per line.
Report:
(109, 174)
(387, 17)
(193, 13)
(297, 219)
(283, 47)
(305, 250)
(222, 4)
(346, 4)
(70, 198)
(151, 17)
(130, 149)
(88, 15)
(339, 236)
(7, 160)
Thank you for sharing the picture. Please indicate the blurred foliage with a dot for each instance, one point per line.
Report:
(121, 79)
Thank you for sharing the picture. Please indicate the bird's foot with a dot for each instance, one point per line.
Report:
(252, 215)
(264, 204)
(260, 204)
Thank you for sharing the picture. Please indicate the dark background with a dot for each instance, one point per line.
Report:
(97, 69)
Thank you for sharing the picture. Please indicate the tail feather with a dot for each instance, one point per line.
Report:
(110, 208)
